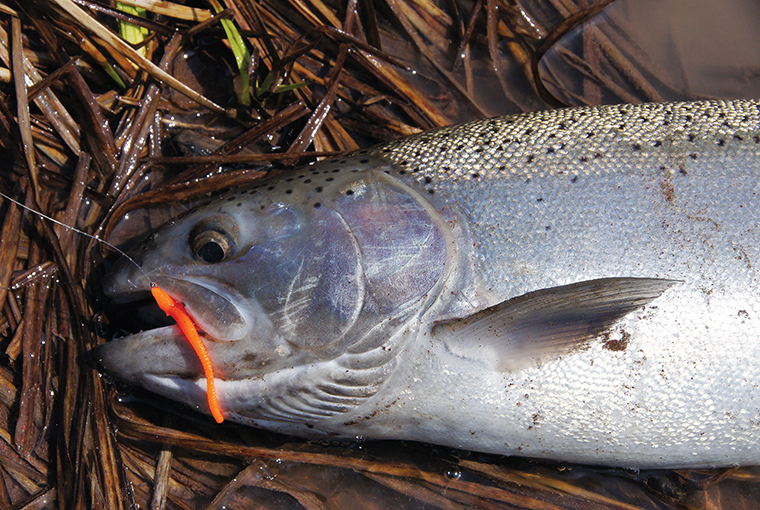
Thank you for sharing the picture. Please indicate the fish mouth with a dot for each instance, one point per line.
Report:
(221, 315)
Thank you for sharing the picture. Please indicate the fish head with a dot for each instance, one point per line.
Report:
(295, 271)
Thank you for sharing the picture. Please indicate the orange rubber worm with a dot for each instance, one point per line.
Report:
(176, 310)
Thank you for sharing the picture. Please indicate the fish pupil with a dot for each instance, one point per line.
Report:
(211, 252)
(212, 246)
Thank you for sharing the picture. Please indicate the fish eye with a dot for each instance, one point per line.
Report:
(212, 246)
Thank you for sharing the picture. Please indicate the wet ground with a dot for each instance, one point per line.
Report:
(325, 78)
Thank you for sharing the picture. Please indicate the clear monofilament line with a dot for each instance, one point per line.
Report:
(74, 229)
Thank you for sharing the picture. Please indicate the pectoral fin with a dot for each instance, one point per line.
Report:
(543, 325)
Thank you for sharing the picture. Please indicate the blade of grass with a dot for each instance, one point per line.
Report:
(170, 9)
(78, 14)
(133, 34)
(240, 51)
(22, 102)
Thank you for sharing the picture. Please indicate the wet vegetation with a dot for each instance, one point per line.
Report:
(137, 108)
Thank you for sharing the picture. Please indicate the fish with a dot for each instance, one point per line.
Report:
(578, 284)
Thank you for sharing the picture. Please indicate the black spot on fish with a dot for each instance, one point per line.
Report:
(307, 181)
(690, 137)
(428, 180)
(350, 192)
(317, 205)
(583, 159)
(531, 158)
(270, 188)
(319, 189)
(721, 142)
(574, 179)
(475, 175)
(288, 191)
(636, 146)
(737, 137)
(329, 179)
(693, 156)
(550, 150)
(657, 143)
(431, 191)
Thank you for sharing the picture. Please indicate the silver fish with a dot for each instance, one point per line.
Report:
(578, 285)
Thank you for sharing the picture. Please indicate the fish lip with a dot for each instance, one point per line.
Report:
(161, 351)
(219, 311)
(164, 351)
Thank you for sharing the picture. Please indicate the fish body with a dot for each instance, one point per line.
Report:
(577, 284)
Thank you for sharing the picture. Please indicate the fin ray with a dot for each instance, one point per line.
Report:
(548, 323)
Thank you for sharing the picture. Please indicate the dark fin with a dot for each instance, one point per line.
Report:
(546, 324)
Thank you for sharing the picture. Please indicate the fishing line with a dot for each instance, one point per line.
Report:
(82, 232)
(168, 304)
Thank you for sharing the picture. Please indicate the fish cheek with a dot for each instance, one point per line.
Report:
(310, 283)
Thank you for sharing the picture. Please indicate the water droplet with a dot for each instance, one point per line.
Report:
(453, 474)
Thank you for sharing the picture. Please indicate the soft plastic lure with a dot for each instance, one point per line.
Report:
(176, 310)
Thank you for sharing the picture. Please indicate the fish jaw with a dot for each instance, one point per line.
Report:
(163, 347)
(180, 377)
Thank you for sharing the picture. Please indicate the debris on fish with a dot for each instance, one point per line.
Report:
(578, 285)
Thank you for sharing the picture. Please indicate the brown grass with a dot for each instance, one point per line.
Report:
(85, 117)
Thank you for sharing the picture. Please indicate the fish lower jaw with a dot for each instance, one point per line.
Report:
(190, 390)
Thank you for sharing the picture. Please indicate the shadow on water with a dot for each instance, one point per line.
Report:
(97, 143)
